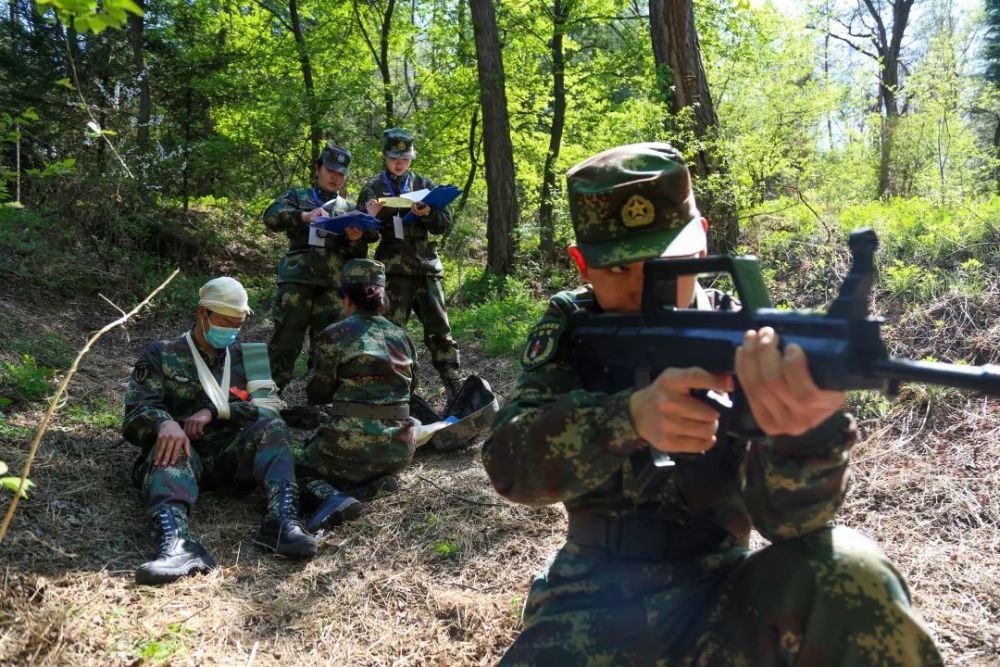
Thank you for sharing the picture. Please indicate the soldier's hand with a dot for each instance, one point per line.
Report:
(170, 442)
(420, 209)
(779, 387)
(194, 426)
(373, 207)
(354, 233)
(667, 417)
(309, 216)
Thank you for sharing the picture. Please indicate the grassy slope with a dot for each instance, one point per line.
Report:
(437, 573)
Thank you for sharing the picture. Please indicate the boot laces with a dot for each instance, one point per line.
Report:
(168, 528)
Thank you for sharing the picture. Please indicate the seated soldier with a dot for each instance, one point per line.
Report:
(366, 372)
(662, 573)
(188, 408)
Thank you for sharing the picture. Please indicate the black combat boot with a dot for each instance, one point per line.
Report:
(377, 488)
(329, 506)
(178, 555)
(281, 531)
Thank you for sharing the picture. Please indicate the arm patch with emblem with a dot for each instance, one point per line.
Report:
(543, 341)
(141, 371)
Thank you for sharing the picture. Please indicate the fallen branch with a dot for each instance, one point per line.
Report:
(54, 403)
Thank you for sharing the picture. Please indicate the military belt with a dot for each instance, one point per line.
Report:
(368, 411)
(638, 536)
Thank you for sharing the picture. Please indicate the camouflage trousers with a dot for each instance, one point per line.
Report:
(424, 296)
(258, 454)
(828, 598)
(350, 451)
(298, 307)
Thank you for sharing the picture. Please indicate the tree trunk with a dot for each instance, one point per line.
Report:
(501, 193)
(307, 76)
(676, 48)
(136, 26)
(546, 228)
(390, 114)
(473, 161)
(888, 45)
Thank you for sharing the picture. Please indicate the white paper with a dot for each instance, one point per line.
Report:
(397, 226)
(317, 237)
(416, 195)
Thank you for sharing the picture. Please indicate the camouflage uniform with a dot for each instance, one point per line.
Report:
(234, 454)
(661, 573)
(414, 269)
(307, 275)
(364, 361)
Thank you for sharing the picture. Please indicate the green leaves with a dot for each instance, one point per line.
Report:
(87, 17)
(11, 483)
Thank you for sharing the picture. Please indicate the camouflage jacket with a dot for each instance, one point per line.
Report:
(363, 359)
(556, 442)
(304, 263)
(416, 254)
(164, 385)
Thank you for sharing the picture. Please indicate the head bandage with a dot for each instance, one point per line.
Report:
(225, 296)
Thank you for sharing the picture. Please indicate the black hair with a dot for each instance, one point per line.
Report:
(369, 299)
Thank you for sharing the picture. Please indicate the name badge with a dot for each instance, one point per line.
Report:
(317, 237)
(397, 226)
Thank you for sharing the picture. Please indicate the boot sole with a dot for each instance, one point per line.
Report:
(349, 510)
(300, 550)
(144, 578)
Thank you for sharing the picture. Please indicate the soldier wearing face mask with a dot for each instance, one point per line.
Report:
(189, 409)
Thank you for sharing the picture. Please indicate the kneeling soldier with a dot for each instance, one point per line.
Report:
(366, 372)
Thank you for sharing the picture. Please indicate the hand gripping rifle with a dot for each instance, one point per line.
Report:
(844, 347)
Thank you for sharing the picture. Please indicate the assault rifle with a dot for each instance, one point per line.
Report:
(844, 347)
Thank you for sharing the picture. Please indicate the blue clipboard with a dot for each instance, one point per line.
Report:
(338, 224)
(437, 199)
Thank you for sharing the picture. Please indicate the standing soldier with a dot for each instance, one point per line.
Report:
(411, 261)
(309, 272)
(662, 573)
(188, 408)
(365, 372)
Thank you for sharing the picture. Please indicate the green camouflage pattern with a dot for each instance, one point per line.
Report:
(629, 202)
(298, 308)
(416, 254)
(233, 453)
(257, 456)
(164, 385)
(424, 295)
(397, 142)
(363, 272)
(305, 264)
(817, 596)
(361, 359)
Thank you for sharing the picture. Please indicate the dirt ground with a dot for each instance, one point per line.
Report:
(434, 575)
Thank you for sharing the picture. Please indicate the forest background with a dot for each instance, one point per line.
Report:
(136, 137)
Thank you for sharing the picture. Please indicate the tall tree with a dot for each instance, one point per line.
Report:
(136, 25)
(381, 54)
(676, 50)
(561, 10)
(882, 24)
(501, 195)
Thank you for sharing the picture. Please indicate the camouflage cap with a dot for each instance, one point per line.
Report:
(634, 202)
(336, 159)
(397, 142)
(363, 272)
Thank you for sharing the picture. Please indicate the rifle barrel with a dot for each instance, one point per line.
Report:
(985, 379)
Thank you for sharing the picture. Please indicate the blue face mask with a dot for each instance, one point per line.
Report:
(220, 337)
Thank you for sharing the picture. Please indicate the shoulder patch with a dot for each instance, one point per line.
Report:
(543, 340)
(141, 371)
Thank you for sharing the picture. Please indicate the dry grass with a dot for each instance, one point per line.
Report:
(436, 574)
